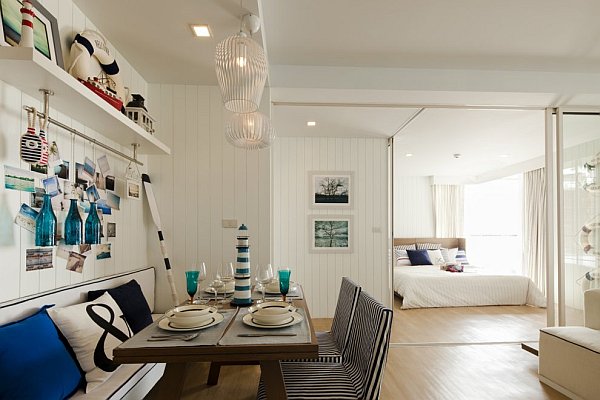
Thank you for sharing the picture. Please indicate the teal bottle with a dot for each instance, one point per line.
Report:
(93, 226)
(73, 225)
(45, 224)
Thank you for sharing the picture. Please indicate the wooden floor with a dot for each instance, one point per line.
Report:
(435, 354)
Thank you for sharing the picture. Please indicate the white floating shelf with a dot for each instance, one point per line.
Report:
(29, 71)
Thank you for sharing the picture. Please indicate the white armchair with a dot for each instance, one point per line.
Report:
(570, 355)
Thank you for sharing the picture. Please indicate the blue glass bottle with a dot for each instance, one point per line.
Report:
(93, 226)
(73, 225)
(45, 224)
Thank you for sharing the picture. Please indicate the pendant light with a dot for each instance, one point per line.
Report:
(241, 66)
(250, 131)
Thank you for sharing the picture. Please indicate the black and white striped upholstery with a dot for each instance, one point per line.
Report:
(360, 374)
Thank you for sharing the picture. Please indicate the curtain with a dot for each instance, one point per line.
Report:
(534, 227)
(448, 210)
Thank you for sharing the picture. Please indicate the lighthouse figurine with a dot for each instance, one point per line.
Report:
(243, 294)
(27, 17)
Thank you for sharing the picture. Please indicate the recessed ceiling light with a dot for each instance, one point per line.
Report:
(201, 30)
(504, 155)
(311, 123)
(409, 154)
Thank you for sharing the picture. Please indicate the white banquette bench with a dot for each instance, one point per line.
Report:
(131, 381)
(570, 355)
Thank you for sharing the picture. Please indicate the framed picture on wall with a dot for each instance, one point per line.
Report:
(331, 190)
(46, 38)
(330, 233)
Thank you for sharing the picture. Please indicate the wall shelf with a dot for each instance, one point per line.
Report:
(29, 71)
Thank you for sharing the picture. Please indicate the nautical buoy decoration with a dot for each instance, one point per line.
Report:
(32, 146)
(584, 238)
(27, 18)
(86, 45)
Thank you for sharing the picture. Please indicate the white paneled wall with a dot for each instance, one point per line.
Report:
(204, 181)
(321, 274)
(413, 207)
(129, 247)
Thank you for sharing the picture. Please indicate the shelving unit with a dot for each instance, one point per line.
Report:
(29, 71)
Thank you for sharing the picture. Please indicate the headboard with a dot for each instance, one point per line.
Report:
(448, 243)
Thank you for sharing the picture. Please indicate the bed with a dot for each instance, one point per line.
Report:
(428, 286)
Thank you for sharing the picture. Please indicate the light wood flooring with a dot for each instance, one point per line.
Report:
(436, 354)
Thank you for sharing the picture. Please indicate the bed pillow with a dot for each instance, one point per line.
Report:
(34, 362)
(449, 254)
(435, 256)
(461, 257)
(419, 257)
(96, 326)
(402, 259)
(131, 300)
(429, 246)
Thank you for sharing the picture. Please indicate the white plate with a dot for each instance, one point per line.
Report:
(295, 318)
(216, 319)
(220, 291)
(274, 289)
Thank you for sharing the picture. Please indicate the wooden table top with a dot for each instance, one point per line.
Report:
(245, 352)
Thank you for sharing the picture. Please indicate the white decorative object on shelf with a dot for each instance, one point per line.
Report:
(137, 112)
(27, 17)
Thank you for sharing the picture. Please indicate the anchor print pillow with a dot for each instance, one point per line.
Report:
(93, 330)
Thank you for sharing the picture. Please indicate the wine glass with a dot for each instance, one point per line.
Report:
(215, 285)
(284, 281)
(201, 278)
(227, 276)
(191, 278)
(264, 275)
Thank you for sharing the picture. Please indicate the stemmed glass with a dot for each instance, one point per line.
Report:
(191, 278)
(215, 285)
(264, 275)
(227, 276)
(201, 278)
(284, 281)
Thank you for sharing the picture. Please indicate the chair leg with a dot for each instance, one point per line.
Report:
(213, 373)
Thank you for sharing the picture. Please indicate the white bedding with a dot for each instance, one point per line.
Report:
(428, 286)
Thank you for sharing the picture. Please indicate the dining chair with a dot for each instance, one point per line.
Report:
(360, 373)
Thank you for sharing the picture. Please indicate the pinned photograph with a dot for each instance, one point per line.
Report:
(68, 189)
(109, 182)
(26, 218)
(79, 190)
(80, 175)
(54, 156)
(92, 194)
(104, 165)
(38, 259)
(19, 179)
(100, 181)
(85, 249)
(37, 198)
(51, 186)
(103, 207)
(63, 250)
(113, 201)
(102, 251)
(89, 169)
(133, 189)
(85, 206)
(111, 229)
(75, 262)
(62, 170)
(39, 168)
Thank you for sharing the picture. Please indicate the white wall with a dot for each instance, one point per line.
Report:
(128, 248)
(413, 207)
(320, 274)
(204, 181)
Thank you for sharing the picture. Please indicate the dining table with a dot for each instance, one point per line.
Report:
(229, 342)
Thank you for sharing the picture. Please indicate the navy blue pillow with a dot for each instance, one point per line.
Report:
(419, 257)
(34, 363)
(131, 301)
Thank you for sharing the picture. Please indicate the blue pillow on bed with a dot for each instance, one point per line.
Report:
(419, 257)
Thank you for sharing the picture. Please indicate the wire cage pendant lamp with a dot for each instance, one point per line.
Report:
(250, 131)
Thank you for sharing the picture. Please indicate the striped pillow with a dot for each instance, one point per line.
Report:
(402, 259)
(449, 254)
(405, 247)
(461, 257)
(429, 246)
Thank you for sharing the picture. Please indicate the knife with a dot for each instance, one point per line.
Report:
(265, 334)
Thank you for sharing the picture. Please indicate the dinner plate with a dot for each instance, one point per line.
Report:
(294, 319)
(220, 291)
(166, 324)
(272, 289)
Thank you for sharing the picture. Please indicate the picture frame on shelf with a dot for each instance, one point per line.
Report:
(45, 27)
(331, 190)
(330, 233)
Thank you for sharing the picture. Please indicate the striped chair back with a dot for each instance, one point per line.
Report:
(344, 312)
(368, 344)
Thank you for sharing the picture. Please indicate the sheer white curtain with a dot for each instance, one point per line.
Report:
(448, 209)
(534, 227)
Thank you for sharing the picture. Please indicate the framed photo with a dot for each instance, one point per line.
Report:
(134, 189)
(330, 233)
(331, 190)
(46, 37)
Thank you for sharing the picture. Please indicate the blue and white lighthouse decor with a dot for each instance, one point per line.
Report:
(243, 294)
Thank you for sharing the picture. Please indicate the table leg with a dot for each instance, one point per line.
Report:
(171, 383)
(272, 377)
(213, 373)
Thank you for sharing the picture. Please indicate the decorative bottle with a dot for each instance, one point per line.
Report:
(93, 226)
(73, 225)
(45, 224)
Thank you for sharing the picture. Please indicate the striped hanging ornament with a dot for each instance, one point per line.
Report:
(27, 17)
(31, 144)
(44, 140)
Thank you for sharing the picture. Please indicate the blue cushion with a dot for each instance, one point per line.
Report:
(419, 257)
(130, 299)
(34, 363)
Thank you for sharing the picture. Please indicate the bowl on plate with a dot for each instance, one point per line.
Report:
(273, 286)
(190, 315)
(272, 312)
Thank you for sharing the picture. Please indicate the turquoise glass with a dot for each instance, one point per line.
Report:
(93, 226)
(191, 278)
(73, 225)
(45, 224)
(284, 281)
